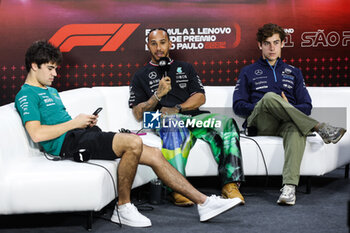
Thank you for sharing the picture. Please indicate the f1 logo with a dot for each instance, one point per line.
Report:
(110, 36)
(151, 120)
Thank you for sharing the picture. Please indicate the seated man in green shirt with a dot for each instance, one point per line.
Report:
(48, 123)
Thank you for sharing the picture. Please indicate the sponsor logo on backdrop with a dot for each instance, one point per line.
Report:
(321, 38)
(288, 42)
(109, 36)
(200, 38)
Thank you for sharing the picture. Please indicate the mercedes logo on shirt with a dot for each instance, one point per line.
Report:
(152, 75)
(258, 72)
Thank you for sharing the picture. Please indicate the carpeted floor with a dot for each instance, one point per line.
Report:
(324, 210)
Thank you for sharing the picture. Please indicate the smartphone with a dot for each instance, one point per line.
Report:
(97, 111)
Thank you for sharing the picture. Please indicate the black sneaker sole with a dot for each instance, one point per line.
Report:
(286, 203)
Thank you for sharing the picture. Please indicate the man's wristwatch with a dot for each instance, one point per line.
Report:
(178, 107)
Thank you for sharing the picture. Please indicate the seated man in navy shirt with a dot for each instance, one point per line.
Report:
(272, 96)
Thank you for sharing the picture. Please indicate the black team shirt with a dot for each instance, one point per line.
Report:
(185, 82)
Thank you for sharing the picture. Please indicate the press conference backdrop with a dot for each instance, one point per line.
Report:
(104, 41)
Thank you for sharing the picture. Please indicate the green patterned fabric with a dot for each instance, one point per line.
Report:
(223, 139)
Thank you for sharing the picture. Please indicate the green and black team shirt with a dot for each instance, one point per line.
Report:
(185, 82)
(44, 105)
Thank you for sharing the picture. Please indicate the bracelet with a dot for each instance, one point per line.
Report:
(155, 94)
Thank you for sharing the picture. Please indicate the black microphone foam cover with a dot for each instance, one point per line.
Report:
(164, 65)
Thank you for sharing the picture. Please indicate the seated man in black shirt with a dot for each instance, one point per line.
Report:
(180, 90)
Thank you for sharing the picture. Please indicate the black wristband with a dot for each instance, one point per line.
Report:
(178, 107)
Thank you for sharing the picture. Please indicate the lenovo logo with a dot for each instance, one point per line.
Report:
(110, 36)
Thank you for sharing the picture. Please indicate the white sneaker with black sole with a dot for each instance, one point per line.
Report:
(130, 216)
(287, 196)
(214, 206)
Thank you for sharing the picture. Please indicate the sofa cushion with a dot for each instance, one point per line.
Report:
(85, 100)
(119, 115)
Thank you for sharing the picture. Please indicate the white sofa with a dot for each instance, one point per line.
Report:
(29, 183)
(330, 104)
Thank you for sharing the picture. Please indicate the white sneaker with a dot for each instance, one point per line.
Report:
(287, 196)
(130, 216)
(214, 206)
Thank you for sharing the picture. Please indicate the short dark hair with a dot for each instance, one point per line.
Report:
(41, 52)
(161, 29)
(268, 30)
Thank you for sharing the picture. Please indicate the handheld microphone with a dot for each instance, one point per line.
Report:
(164, 65)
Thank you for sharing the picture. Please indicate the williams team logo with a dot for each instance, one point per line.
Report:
(151, 120)
(110, 36)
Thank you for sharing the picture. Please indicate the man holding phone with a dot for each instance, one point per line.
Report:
(98, 110)
(47, 122)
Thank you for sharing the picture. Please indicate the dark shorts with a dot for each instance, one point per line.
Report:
(94, 140)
